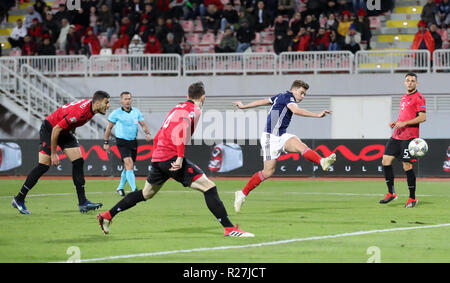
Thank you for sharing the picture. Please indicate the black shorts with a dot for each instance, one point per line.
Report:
(399, 149)
(65, 140)
(160, 173)
(127, 148)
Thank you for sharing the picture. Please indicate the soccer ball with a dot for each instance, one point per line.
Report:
(418, 147)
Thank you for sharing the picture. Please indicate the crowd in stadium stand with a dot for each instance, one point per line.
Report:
(155, 26)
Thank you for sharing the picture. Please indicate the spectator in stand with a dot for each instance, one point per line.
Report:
(296, 23)
(179, 8)
(342, 6)
(62, 38)
(39, 7)
(331, 23)
(322, 40)
(143, 27)
(302, 40)
(16, 39)
(136, 9)
(352, 40)
(105, 21)
(229, 17)
(212, 19)
(428, 12)
(358, 5)
(262, 16)
(73, 42)
(163, 8)
(423, 39)
(443, 14)
(335, 41)
(331, 8)
(62, 13)
(32, 14)
(170, 46)
(436, 36)
(193, 9)
(314, 7)
(29, 47)
(174, 28)
(93, 19)
(124, 36)
(159, 29)
(245, 35)
(311, 23)
(244, 16)
(280, 26)
(136, 45)
(248, 6)
(35, 31)
(5, 6)
(362, 25)
(286, 8)
(150, 13)
(81, 18)
(344, 24)
(153, 45)
(50, 27)
(228, 43)
(283, 42)
(91, 43)
(46, 48)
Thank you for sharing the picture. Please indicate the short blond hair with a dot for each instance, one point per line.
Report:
(299, 84)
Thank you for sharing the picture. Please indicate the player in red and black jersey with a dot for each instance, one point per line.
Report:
(406, 128)
(168, 161)
(57, 130)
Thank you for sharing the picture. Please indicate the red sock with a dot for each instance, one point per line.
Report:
(256, 179)
(311, 155)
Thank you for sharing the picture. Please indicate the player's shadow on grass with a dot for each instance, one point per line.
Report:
(194, 230)
(294, 209)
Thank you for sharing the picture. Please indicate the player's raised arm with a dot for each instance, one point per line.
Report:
(256, 103)
(305, 113)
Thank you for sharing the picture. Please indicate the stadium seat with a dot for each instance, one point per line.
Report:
(188, 26)
(120, 51)
(15, 52)
(193, 38)
(60, 52)
(269, 37)
(106, 51)
(198, 26)
(260, 48)
(219, 38)
(258, 38)
(375, 22)
(208, 39)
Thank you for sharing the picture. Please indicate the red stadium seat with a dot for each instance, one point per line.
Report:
(120, 51)
(198, 26)
(193, 38)
(375, 22)
(208, 39)
(260, 48)
(60, 52)
(188, 26)
(15, 52)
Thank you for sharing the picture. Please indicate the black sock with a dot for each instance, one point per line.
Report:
(389, 177)
(215, 205)
(127, 202)
(411, 179)
(78, 179)
(31, 180)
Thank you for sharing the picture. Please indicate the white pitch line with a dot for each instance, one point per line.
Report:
(359, 233)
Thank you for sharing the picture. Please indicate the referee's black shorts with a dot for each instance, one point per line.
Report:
(65, 140)
(399, 149)
(160, 172)
(127, 148)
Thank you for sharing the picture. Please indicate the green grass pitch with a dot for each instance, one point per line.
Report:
(304, 220)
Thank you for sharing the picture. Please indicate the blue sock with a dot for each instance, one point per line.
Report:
(131, 179)
(123, 180)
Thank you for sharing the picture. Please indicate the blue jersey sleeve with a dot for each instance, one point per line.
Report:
(113, 117)
(273, 98)
(140, 116)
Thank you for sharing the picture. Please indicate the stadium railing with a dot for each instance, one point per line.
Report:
(441, 60)
(147, 64)
(388, 61)
(230, 63)
(316, 62)
(392, 61)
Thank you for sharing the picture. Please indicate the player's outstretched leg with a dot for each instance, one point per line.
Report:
(18, 201)
(130, 200)
(215, 205)
(295, 145)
